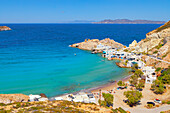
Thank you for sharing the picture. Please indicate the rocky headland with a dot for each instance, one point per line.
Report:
(156, 43)
(4, 28)
(92, 44)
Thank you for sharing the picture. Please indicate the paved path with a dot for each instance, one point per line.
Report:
(144, 110)
(159, 59)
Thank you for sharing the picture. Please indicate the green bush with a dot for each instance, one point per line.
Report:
(158, 69)
(162, 112)
(121, 110)
(155, 52)
(163, 102)
(2, 104)
(121, 83)
(168, 102)
(102, 103)
(159, 46)
(108, 98)
(114, 110)
(133, 80)
(133, 97)
(150, 105)
(138, 73)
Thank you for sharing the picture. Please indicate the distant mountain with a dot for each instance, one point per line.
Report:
(127, 21)
(82, 21)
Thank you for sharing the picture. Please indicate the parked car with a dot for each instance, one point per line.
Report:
(151, 103)
(159, 58)
(158, 101)
(126, 101)
(120, 87)
(139, 89)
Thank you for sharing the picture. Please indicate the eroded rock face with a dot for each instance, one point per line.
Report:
(133, 44)
(4, 28)
(154, 38)
(11, 98)
(91, 44)
(161, 32)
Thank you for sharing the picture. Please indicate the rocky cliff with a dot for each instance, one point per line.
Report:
(4, 28)
(154, 38)
(92, 44)
(157, 43)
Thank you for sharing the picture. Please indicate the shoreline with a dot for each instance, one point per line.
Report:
(107, 86)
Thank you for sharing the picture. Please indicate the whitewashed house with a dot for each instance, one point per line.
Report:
(149, 73)
(140, 64)
(101, 47)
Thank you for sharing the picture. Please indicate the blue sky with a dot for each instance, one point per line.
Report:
(61, 11)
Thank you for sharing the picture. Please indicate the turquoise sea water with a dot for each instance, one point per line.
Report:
(35, 58)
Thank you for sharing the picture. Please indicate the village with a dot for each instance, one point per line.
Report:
(149, 74)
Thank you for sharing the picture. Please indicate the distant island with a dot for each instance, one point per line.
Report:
(127, 21)
(4, 28)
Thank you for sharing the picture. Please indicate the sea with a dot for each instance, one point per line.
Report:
(36, 58)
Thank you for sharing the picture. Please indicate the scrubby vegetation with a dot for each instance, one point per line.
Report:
(166, 25)
(49, 106)
(158, 69)
(133, 97)
(121, 83)
(108, 100)
(158, 85)
(119, 110)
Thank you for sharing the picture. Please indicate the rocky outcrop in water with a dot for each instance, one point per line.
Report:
(4, 28)
(92, 44)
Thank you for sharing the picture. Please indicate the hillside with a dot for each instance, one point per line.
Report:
(127, 21)
(156, 43)
(52, 106)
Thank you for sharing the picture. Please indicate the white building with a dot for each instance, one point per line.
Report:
(80, 97)
(101, 47)
(140, 64)
(34, 97)
(149, 73)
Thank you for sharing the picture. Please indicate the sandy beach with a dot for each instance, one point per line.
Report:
(109, 86)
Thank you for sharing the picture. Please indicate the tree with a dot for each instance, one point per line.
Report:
(133, 97)
(102, 103)
(158, 87)
(166, 79)
(135, 67)
(133, 80)
(108, 98)
(158, 69)
(121, 83)
(140, 85)
(139, 73)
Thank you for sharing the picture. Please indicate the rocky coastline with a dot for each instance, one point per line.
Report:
(90, 44)
(4, 28)
(156, 40)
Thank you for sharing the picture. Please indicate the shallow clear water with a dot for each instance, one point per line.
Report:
(35, 58)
